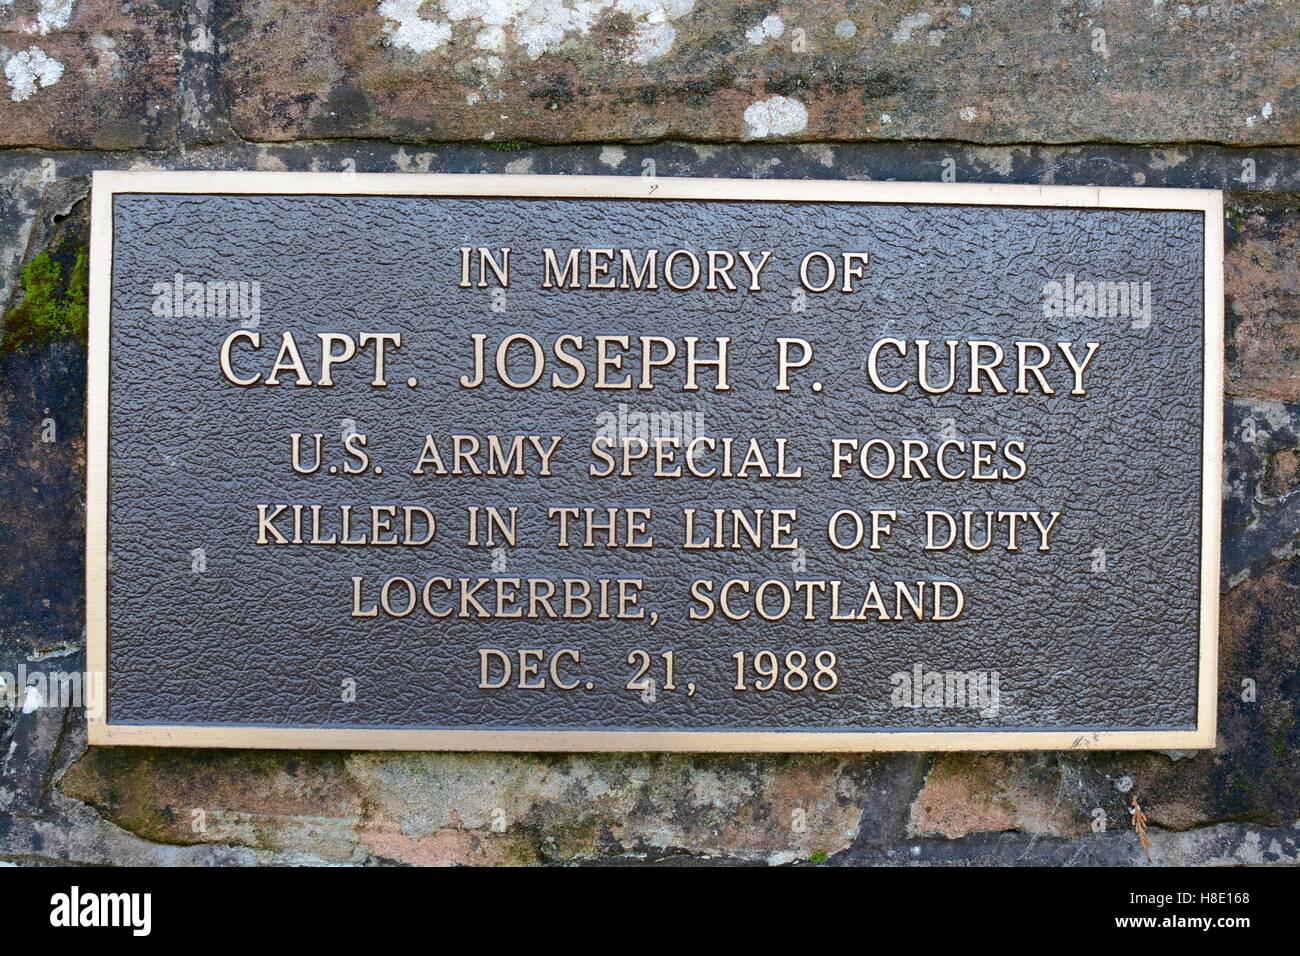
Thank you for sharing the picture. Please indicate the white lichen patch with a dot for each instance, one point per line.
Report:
(267, 162)
(490, 63)
(53, 15)
(410, 31)
(708, 789)
(771, 27)
(536, 26)
(1269, 417)
(108, 65)
(997, 159)
(490, 38)
(777, 116)
(820, 152)
(1265, 114)
(613, 156)
(30, 70)
(908, 25)
(1162, 159)
(203, 40)
(651, 41)
(405, 163)
(50, 15)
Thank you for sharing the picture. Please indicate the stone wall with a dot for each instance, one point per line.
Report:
(1145, 92)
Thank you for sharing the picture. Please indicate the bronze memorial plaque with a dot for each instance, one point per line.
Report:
(591, 463)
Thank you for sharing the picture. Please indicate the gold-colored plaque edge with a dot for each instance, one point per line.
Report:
(108, 183)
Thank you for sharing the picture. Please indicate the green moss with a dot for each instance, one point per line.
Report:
(819, 856)
(52, 308)
(1235, 216)
(1280, 747)
(78, 300)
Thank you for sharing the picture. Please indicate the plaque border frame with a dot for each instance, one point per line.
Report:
(109, 183)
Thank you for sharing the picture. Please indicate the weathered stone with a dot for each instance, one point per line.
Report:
(1262, 288)
(1237, 804)
(42, 443)
(93, 73)
(33, 732)
(1224, 844)
(1256, 773)
(287, 803)
(620, 70)
(982, 793)
(42, 433)
(1261, 511)
(479, 808)
(202, 117)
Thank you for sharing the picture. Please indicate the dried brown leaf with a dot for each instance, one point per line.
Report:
(1140, 826)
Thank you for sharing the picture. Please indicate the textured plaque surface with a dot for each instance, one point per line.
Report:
(1099, 639)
